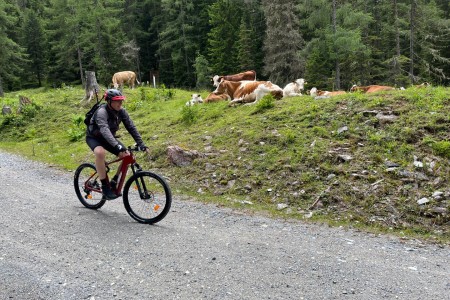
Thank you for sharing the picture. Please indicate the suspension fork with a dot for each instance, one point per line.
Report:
(140, 183)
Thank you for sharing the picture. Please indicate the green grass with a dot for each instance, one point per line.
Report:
(286, 151)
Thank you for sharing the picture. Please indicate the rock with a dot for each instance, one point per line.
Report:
(413, 175)
(391, 164)
(342, 129)
(308, 215)
(331, 176)
(231, 183)
(423, 201)
(386, 118)
(368, 113)
(6, 110)
(439, 210)
(181, 157)
(281, 206)
(437, 195)
(417, 164)
(345, 157)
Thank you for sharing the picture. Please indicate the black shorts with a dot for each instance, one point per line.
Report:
(99, 141)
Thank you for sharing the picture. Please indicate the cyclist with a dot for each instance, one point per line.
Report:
(101, 136)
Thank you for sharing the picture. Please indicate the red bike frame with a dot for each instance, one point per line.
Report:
(128, 160)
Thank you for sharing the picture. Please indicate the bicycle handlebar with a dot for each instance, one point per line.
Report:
(136, 148)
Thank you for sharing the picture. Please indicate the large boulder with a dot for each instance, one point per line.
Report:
(182, 157)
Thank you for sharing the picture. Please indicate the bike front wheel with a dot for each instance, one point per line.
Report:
(87, 186)
(147, 197)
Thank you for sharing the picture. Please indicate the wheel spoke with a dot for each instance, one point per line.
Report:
(87, 187)
(150, 198)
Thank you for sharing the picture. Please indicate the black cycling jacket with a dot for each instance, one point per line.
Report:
(105, 122)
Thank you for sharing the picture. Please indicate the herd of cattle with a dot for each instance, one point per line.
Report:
(244, 88)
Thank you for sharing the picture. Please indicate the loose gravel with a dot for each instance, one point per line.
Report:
(51, 247)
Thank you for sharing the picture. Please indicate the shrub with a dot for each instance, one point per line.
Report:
(29, 111)
(12, 120)
(442, 148)
(189, 114)
(288, 137)
(266, 102)
(77, 129)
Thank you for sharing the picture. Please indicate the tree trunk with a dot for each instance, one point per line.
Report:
(92, 86)
(1, 87)
(81, 68)
(338, 68)
(411, 40)
(397, 67)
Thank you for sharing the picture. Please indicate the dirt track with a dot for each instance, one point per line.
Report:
(51, 247)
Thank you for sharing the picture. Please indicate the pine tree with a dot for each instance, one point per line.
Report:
(152, 22)
(202, 72)
(429, 40)
(85, 36)
(245, 48)
(34, 41)
(12, 56)
(224, 18)
(250, 43)
(283, 42)
(178, 41)
(336, 32)
(102, 38)
(63, 30)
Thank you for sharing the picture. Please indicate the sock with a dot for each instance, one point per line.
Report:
(105, 181)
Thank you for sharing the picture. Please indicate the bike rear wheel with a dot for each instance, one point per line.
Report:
(88, 186)
(147, 197)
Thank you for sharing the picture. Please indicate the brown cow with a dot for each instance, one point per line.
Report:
(120, 78)
(371, 88)
(317, 93)
(215, 98)
(248, 91)
(422, 85)
(247, 75)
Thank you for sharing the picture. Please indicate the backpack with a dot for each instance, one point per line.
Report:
(91, 112)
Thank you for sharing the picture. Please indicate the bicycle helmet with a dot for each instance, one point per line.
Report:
(114, 95)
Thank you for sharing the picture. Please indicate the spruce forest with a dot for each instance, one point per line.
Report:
(332, 44)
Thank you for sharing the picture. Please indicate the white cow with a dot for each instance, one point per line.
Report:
(196, 98)
(294, 88)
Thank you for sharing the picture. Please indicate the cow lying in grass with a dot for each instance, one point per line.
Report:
(318, 93)
(247, 91)
(294, 88)
(196, 98)
(371, 88)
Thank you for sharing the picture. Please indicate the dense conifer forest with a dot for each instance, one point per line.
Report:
(332, 44)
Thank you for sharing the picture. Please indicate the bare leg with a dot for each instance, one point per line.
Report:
(100, 155)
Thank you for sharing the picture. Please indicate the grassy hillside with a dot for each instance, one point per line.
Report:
(378, 161)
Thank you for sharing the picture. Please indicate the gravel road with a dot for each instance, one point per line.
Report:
(51, 247)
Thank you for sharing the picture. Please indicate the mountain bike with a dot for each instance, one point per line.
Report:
(146, 196)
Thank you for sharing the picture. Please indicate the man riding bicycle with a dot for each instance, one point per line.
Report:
(101, 136)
